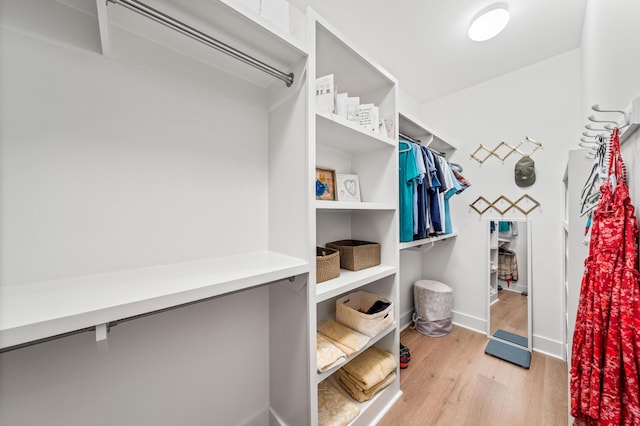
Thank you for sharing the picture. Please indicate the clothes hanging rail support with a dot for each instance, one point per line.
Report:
(166, 20)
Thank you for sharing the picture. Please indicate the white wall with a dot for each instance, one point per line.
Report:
(107, 167)
(540, 101)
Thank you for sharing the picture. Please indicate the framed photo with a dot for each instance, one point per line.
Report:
(325, 184)
(348, 187)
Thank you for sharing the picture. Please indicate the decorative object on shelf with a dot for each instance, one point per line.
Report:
(510, 149)
(351, 310)
(356, 255)
(525, 172)
(325, 184)
(348, 187)
(327, 264)
(368, 118)
(481, 204)
(325, 93)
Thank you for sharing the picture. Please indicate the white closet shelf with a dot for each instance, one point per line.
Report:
(325, 205)
(343, 135)
(34, 311)
(351, 280)
(324, 375)
(424, 241)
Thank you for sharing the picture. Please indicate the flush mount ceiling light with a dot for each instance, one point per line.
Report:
(489, 22)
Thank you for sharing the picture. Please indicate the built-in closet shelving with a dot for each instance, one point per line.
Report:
(346, 147)
(414, 254)
(494, 245)
(495, 242)
(149, 172)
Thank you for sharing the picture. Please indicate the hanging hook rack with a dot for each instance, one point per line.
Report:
(510, 150)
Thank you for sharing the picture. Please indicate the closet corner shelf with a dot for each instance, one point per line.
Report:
(324, 375)
(427, 241)
(351, 280)
(343, 135)
(325, 205)
(34, 311)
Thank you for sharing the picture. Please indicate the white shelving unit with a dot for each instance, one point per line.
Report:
(494, 245)
(414, 255)
(144, 171)
(346, 147)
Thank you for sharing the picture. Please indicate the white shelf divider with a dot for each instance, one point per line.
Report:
(351, 280)
(427, 241)
(324, 205)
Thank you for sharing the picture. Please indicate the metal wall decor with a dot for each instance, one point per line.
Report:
(506, 149)
(481, 204)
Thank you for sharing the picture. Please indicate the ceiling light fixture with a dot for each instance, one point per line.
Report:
(489, 22)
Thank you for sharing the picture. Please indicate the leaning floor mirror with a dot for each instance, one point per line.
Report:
(509, 310)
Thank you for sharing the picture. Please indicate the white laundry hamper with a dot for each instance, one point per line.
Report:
(433, 302)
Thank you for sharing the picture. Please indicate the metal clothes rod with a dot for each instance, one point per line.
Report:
(155, 15)
(419, 142)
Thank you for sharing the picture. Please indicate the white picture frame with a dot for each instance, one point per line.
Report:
(348, 187)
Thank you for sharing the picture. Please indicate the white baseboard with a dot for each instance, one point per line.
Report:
(548, 347)
(472, 323)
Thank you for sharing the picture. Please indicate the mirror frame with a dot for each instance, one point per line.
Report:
(529, 280)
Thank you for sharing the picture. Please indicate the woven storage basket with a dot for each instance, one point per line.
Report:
(348, 313)
(356, 255)
(327, 264)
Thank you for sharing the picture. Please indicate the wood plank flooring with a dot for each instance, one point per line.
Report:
(509, 313)
(451, 381)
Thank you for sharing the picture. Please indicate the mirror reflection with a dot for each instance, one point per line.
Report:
(509, 281)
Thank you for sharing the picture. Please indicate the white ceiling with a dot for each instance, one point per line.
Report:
(424, 42)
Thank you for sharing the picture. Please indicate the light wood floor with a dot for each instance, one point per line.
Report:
(451, 381)
(510, 313)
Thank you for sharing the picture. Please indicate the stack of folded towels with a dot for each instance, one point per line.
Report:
(335, 408)
(368, 373)
(335, 342)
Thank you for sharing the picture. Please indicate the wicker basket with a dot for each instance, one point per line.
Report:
(356, 255)
(350, 311)
(327, 264)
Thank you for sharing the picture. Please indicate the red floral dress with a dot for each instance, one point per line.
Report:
(605, 359)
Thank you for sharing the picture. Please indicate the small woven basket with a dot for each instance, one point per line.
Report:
(327, 264)
(356, 255)
(350, 312)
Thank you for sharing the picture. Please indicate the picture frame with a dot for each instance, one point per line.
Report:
(325, 184)
(348, 187)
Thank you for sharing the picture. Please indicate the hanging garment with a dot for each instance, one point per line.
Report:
(408, 172)
(433, 192)
(606, 342)
(422, 171)
(507, 266)
(422, 202)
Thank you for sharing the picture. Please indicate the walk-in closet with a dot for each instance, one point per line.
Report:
(313, 213)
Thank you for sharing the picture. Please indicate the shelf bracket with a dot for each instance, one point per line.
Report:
(101, 337)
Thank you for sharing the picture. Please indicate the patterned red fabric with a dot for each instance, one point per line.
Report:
(605, 359)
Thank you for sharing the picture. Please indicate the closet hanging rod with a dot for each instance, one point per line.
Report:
(166, 20)
(409, 138)
(419, 142)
